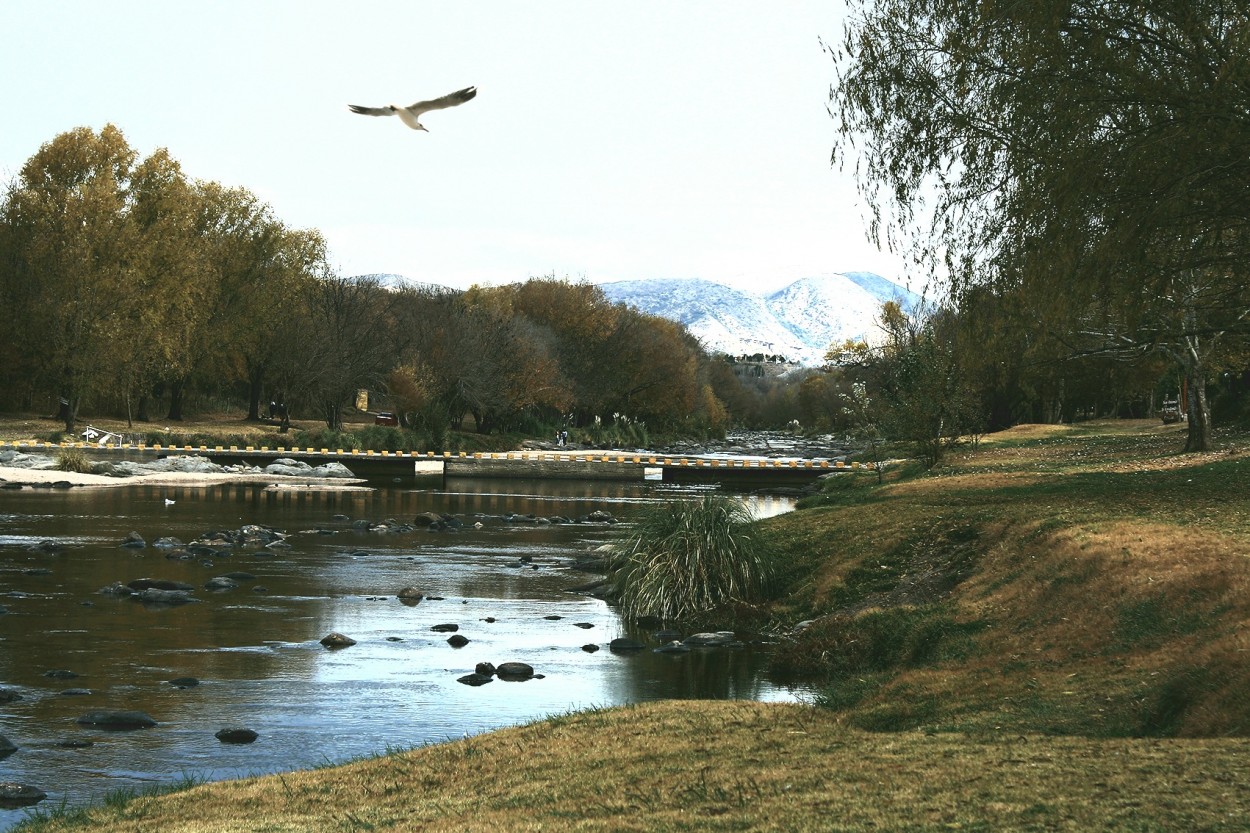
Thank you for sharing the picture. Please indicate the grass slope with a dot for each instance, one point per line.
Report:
(723, 766)
(1083, 580)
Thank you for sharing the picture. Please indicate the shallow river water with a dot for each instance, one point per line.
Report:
(257, 651)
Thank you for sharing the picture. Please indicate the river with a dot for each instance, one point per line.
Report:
(256, 650)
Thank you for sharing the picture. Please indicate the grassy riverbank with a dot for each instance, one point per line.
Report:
(1048, 632)
(1065, 579)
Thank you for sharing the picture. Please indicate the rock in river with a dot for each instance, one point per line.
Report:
(13, 794)
(236, 735)
(514, 671)
(474, 679)
(337, 640)
(120, 720)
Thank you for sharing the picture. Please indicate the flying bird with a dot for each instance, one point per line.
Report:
(411, 114)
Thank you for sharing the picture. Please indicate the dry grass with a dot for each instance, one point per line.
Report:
(1086, 580)
(725, 766)
(19, 427)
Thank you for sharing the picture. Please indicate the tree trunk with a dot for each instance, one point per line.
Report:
(1199, 438)
(69, 413)
(176, 389)
(255, 393)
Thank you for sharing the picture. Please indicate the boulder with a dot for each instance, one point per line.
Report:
(7, 747)
(474, 679)
(134, 541)
(486, 669)
(591, 648)
(154, 596)
(445, 628)
(8, 695)
(289, 467)
(221, 583)
(337, 640)
(117, 720)
(514, 671)
(457, 640)
(184, 682)
(236, 735)
(332, 470)
(61, 674)
(13, 794)
(623, 644)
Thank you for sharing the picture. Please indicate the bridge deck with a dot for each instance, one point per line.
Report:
(581, 465)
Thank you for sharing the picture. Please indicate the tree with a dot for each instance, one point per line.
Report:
(259, 270)
(344, 340)
(863, 415)
(914, 388)
(73, 253)
(170, 284)
(1094, 155)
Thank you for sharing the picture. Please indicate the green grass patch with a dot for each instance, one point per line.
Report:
(1146, 624)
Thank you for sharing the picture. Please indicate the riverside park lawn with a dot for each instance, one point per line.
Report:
(1047, 632)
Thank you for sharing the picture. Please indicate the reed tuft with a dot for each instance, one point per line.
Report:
(688, 558)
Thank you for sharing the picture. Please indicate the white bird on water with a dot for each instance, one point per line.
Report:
(411, 114)
(168, 502)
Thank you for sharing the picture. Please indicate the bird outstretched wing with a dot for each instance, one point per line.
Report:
(449, 100)
(371, 111)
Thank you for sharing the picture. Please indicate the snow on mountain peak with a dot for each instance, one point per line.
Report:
(799, 322)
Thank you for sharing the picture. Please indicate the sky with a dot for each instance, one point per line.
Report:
(608, 140)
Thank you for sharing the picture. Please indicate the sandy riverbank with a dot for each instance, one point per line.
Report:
(26, 477)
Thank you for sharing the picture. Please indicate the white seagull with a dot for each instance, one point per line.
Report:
(411, 114)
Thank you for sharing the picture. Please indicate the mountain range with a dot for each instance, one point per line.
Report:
(799, 321)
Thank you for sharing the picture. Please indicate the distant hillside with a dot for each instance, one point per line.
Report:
(798, 322)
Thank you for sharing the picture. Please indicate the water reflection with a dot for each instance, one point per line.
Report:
(256, 648)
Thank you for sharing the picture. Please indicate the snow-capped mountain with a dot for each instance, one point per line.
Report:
(799, 322)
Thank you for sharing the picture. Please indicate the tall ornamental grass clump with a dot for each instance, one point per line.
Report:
(73, 459)
(688, 558)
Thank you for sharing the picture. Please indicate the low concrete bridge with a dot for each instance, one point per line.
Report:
(567, 465)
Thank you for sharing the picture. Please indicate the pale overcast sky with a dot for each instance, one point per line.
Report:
(607, 141)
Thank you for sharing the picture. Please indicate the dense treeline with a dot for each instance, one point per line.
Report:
(126, 285)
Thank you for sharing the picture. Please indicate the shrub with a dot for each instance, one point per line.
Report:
(688, 558)
(73, 459)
